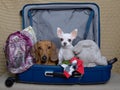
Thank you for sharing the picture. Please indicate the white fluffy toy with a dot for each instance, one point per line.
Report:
(89, 52)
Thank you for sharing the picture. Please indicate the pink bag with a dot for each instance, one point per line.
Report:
(17, 51)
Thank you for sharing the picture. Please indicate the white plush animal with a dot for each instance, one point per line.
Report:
(66, 50)
(89, 52)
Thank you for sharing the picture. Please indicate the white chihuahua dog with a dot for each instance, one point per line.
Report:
(89, 52)
(66, 50)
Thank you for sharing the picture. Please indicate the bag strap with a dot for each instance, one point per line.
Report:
(88, 24)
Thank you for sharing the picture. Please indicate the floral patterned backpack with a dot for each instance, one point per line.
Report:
(17, 51)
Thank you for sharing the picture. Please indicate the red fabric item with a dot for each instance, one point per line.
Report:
(67, 75)
(79, 65)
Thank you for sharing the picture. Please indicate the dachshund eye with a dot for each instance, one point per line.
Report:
(61, 39)
(49, 47)
(39, 48)
(69, 40)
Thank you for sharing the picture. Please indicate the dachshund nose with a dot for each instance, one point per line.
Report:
(44, 57)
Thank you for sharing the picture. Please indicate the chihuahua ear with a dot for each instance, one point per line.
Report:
(74, 33)
(59, 32)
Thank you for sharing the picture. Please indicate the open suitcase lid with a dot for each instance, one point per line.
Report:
(45, 18)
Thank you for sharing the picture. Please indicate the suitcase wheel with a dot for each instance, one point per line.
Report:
(9, 81)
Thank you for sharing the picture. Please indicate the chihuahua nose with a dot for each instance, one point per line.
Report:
(65, 43)
(44, 57)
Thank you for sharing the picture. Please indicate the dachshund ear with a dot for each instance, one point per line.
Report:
(34, 52)
(54, 52)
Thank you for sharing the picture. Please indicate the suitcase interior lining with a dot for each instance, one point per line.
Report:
(45, 23)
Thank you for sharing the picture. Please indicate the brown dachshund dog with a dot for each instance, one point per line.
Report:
(45, 52)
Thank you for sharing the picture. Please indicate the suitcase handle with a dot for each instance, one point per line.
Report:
(112, 61)
(59, 74)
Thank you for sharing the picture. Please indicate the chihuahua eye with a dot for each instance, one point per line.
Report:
(61, 39)
(49, 47)
(69, 40)
(39, 48)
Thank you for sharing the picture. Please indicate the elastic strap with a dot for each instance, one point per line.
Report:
(88, 24)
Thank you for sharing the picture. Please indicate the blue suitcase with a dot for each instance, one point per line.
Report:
(45, 18)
